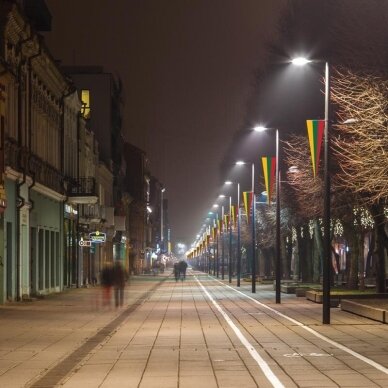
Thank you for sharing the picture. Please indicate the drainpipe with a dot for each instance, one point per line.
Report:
(32, 173)
(62, 166)
(77, 259)
(20, 200)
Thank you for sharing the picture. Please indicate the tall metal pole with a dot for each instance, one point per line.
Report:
(230, 240)
(278, 259)
(326, 207)
(238, 238)
(215, 252)
(253, 231)
(161, 220)
(222, 244)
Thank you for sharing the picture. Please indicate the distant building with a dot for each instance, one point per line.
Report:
(137, 186)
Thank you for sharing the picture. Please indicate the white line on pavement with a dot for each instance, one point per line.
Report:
(252, 351)
(376, 365)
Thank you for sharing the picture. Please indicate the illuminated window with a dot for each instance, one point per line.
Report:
(85, 97)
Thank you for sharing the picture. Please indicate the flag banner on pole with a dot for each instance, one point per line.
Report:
(226, 219)
(269, 170)
(315, 131)
(247, 197)
(233, 211)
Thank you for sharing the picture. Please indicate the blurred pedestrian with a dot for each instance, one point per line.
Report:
(107, 283)
(119, 280)
(182, 269)
(176, 271)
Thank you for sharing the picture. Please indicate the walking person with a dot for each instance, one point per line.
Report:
(107, 283)
(119, 280)
(176, 271)
(182, 269)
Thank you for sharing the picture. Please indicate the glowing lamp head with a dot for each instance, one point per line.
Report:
(300, 61)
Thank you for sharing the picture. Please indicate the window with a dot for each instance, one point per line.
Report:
(85, 97)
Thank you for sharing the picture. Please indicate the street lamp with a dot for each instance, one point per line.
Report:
(238, 237)
(163, 189)
(326, 203)
(253, 227)
(222, 196)
(278, 262)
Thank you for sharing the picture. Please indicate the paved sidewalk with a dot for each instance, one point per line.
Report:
(169, 334)
(36, 336)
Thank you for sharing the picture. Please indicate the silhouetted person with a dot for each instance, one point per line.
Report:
(176, 271)
(119, 280)
(107, 283)
(182, 269)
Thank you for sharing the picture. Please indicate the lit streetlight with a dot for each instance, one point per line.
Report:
(222, 196)
(238, 237)
(326, 203)
(163, 189)
(253, 265)
(278, 262)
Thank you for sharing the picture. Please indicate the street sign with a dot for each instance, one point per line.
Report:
(97, 237)
(84, 243)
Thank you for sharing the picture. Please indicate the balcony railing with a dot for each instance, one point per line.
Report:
(83, 187)
(22, 160)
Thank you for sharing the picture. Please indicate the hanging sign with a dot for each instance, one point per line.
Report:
(97, 237)
(84, 243)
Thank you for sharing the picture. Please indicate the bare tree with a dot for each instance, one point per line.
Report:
(361, 144)
(361, 147)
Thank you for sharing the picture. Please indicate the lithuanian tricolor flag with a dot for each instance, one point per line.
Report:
(269, 170)
(247, 197)
(226, 220)
(234, 215)
(315, 130)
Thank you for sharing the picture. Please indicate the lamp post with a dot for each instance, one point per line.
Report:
(216, 271)
(161, 219)
(278, 262)
(238, 269)
(222, 244)
(253, 228)
(326, 202)
(222, 196)
(230, 240)
(253, 231)
(230, 236)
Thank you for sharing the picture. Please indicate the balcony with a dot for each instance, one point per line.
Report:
(22, 160)
(90, 214)
(82, 191)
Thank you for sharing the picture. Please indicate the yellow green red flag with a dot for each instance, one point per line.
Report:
(269, 170)
(315, 130)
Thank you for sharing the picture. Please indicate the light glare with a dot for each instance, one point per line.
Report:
(259, 128)
(300, 61)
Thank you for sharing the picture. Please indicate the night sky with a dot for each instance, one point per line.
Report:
(188, 70)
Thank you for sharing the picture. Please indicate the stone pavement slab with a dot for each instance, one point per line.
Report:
(171, 334)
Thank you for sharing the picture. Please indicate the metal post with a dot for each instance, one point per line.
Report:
(222, 245)
(161, 220)
(326, 208)
(278, 259)
(253, 231)
(230, 240)
(217, 262)
(238, 238)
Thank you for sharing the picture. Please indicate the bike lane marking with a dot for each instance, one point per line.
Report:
(272, 378)
(367, 360)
